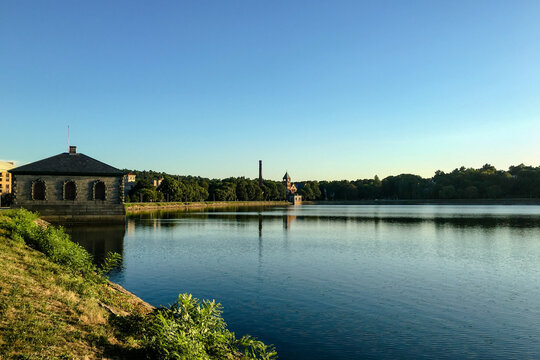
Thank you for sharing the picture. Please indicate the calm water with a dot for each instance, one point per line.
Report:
(348, 282)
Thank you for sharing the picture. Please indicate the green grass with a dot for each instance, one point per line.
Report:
(56, 303)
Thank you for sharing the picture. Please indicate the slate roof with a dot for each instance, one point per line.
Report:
(286, 176)
(68, 164)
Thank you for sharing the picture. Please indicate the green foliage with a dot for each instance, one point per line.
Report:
(194, 189)
(464, 183)
(170, 189)
(487, 182)
(447, 192)
(51, 241)
(255, 349)
(143, 191)
(112, 261)
(191, 330)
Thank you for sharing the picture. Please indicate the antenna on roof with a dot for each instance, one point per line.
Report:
(68, 138)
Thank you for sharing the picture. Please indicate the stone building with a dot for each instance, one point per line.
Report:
(129, 182)
(70, 187)
(291, 187)
(5, 177)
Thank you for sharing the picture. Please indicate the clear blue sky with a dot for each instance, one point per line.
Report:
(323, 89)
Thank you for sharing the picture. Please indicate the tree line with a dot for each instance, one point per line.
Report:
(487, 182)
(194, 188)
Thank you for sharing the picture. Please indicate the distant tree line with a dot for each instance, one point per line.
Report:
(194, 188)
(464, 183)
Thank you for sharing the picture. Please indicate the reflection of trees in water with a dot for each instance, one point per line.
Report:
(98, 240)
(485, 222)
(245, 218)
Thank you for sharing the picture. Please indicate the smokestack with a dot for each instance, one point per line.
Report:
(260, 172)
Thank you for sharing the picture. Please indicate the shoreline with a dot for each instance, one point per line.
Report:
(56, 302)
(431, 202)
(142, 207)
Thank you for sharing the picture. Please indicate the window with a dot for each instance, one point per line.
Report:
(70, 190)
(38, 190)
(99, 190)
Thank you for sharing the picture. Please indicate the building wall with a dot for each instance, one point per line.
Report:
(295, 199)
(54, 204)
(129, 182)
(5, 177)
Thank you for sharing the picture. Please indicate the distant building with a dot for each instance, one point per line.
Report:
(5, 177)
(70, 187)
(131, 177)
(291, 189)
(129, 182)
(157, 182)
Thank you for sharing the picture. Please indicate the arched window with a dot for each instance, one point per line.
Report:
(38, 190)
(99, 190)
(70, 190)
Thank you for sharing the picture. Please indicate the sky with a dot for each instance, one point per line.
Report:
(321, 89)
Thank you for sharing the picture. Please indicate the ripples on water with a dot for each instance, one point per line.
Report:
(348, 282)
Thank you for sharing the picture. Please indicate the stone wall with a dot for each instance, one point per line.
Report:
(84, 203)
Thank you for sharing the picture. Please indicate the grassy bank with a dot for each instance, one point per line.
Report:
(56, 303)
(152, 206)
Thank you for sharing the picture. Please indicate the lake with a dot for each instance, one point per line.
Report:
(347, 282)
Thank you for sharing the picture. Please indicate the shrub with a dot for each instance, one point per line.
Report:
(51, 241)
(189, 330)
(112, 260)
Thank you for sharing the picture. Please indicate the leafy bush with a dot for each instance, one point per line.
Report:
(51, 241)
(189, 330)
(112, 260)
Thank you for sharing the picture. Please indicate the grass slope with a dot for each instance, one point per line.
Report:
(50, 311)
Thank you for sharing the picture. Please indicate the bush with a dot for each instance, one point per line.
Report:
(189, 330)
(51, 241)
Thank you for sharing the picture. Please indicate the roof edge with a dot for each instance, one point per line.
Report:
(23, 172)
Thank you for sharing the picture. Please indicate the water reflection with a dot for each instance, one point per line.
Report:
(98, 240)
(288, 220)
(243, 216)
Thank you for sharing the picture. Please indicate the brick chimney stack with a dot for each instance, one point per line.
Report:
(260, 172)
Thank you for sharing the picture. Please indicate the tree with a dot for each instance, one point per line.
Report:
(307, 192)
(170, 189)
(241, 190)
(447, 192)
(141, 191)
